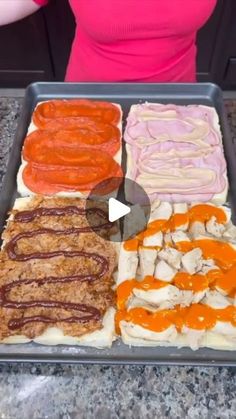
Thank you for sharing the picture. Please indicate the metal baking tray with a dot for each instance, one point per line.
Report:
(125, 94)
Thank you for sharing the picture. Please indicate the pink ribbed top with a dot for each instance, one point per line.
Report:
(136, 40)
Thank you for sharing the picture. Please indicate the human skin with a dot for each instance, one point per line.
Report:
(13, 10)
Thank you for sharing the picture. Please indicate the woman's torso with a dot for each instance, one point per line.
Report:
(136, 40)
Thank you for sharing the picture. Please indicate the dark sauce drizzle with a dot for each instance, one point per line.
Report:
(87, 312)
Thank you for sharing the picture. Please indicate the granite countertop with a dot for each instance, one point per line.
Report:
(104, 392)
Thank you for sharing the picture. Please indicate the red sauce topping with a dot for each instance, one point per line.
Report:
(62, 170)
(73, 149)
(100, 136)
(57, 114)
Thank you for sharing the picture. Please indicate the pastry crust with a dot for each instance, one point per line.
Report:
(148, 285)
(24, 191)
(96, 333)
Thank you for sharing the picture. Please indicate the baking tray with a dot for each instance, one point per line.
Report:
(125, 94)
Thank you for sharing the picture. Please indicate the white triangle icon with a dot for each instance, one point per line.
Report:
(116, 210)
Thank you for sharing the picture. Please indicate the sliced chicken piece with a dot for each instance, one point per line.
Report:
(228, 213)
(147, 259)
(198, 296)
(186, 298)
(164, 272)
(220, 290)
(207, 265)
(165, 296)
(230, 232)
(193, 337)
(138, 302)
(130, 330)
(179, 236)
(216, 300)
(127, 267)
(155, 204)
(154, 240)
(138, 274)
(197, 229)
(162, 212)
(168, 239)
(191, 261)
(214, 228)
(225, 328)
(171, 256)
(181, 208)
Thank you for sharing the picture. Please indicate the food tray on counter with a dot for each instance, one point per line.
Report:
(125, 95)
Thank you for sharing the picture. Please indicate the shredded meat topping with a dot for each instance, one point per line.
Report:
(38, 280)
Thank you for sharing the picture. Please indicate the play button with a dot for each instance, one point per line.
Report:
(116, 210)
(124, 209)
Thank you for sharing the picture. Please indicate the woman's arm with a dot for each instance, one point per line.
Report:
(12, 10)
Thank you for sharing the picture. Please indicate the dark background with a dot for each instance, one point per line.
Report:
(37, 48)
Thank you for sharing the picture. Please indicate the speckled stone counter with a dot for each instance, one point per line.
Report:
(83, 392)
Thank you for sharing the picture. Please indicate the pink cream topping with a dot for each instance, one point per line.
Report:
(176, 152)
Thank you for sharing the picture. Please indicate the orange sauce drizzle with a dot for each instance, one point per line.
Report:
(156, 226)
(131, 245)
(150, 282)
(223, 253)
(182, 280)
(178, 220)
(195, 283)
(226, 280)
(175, 221)
(197, 316)
(125, 289)
(150, 247)
(227, 314)
(201, 213)
(123, 292)
(184, 246)
(204, 212)
(200, 317)
(157, 322)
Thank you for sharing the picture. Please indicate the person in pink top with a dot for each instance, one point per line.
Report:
(128, 40)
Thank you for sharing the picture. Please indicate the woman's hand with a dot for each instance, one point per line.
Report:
(12, 10)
